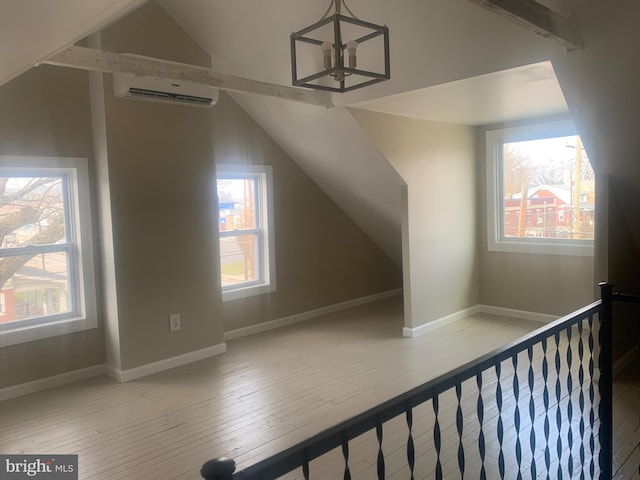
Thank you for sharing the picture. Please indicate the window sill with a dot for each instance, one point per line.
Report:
(542, 248)
(56, 328)
(249, 291)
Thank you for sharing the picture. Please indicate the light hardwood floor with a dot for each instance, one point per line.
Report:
(626, 423)
(266, 393)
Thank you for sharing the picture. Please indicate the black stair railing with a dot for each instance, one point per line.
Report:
(540, 407)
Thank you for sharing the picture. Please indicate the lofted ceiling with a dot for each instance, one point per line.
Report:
(432, 41)
(450, 61)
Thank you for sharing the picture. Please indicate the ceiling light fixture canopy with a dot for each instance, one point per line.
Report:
(339, 71)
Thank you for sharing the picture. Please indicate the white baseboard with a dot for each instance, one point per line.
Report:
(523, 314)
(15, 391)
(620, 364)
(51, 382)
(166, 364)
(506, 312)
(300, 317)
(440, 322)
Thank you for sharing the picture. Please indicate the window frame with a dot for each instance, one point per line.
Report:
(78, 248)
(496, 240)
(264, 232)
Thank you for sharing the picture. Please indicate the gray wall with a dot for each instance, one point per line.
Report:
(161, 178)
(622, 270)
(437, 162)
(45, 112)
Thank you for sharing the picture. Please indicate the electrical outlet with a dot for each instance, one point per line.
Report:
(174, 322)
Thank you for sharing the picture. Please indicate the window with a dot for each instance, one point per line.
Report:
(245, 226)
(537, 175)
(46, 259)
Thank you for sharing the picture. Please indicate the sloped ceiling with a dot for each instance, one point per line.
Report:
(33, 30)
(433, 43)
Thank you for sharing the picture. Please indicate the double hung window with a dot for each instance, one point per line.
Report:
(46, 263)
(245, 226)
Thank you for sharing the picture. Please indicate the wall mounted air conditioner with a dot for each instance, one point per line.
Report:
(163, 90)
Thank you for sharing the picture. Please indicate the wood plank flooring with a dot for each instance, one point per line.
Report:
(626, 423)
(266, 393)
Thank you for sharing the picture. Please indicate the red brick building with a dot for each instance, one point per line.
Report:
(548, 213)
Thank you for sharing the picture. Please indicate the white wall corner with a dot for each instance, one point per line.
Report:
(34, 386)
(439, 322)
(166, 364)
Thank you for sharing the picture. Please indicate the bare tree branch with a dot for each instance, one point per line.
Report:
(9, 265)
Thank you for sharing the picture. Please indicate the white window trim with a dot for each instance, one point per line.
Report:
(85, 316)
(495, 240)
(268, 266)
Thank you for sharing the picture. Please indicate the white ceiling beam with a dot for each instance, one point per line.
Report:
(535, 17)
(109, 62)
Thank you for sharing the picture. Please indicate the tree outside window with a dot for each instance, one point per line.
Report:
(46, 258)
(34, 260)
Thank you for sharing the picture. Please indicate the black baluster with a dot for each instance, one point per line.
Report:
(305, 465)
(605, 383)
(459, 426)
(380, 454)
(569, 402)
(345, 454)
(411, 453)
(532, 413)
(480, 410)
(437, 440)
(500, 426)
(581, 397)
(592, 414)
(516, 414)
(545, 399)
(558, 409)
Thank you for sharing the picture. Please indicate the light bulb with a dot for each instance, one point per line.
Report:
(326, 54)
(351, 50)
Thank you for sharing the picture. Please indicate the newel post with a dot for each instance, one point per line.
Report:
(605, 383)
(218, 469)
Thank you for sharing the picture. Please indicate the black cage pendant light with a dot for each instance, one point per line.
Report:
(339, 70)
